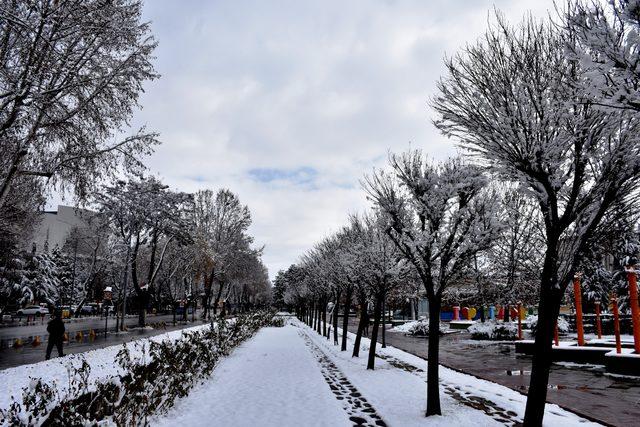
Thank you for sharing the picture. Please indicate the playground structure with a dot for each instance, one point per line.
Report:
(462, 318)
(617, 356)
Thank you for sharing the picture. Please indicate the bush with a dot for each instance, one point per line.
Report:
(147, 386)
(419, 328)
(492, 330)
(563, 325)
(276, 322)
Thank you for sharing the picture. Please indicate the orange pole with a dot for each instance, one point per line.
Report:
(555, 335)
(519, 321)
(635, 311)
(598, 322)
(578, 299)
(616, 323)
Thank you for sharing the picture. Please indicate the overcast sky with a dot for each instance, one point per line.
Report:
(289, 103)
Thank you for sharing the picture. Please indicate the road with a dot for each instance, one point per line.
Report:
(9, 333)
(588, 391)
(29, 353)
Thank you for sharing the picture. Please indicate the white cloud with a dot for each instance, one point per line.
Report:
(329, 86)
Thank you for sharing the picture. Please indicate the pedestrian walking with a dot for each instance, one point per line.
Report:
(55, 327)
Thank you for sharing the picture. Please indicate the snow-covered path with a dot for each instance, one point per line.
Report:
(292, 376)
(271, 380)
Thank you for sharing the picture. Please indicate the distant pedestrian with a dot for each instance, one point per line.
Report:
(56, 334)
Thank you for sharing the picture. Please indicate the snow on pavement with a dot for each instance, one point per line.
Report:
(270, 380)
(292, 376)
(500, 401)
(397, 395)
(102, 362)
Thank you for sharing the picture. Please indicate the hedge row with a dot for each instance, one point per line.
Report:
(146, 387)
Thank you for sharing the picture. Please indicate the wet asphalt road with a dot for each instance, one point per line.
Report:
(11, 356)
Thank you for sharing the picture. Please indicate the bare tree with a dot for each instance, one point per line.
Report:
(71, 72)
(514, 261)
(220, 235)
(604, 39)
(514, 100)
(145, 213)
(439, 216)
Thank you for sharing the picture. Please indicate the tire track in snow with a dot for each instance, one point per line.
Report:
(360, 412)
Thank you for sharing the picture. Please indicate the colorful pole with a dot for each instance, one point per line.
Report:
(519, 321)
(555, 335)
(635, 311)
(456, 313)
(598, 322)
(577, 294)
(616, 323)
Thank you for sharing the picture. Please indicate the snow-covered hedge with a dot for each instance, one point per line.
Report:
(563, 324)
(147, 386)
(419, 328)
(492, 330)
(276, 322)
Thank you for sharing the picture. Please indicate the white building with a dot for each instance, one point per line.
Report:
(55, 226)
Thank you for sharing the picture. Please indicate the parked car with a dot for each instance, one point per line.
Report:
(33, 310)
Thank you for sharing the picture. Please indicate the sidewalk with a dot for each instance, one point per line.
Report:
(292, 376)
(585, 389)
(272, 380)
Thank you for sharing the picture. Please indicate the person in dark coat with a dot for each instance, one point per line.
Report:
(55, 327)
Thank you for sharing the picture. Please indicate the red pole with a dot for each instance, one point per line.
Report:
(635, 311)
(519, 321)
(578, 299)
(555, 335)
(616, 323)
(598, 322)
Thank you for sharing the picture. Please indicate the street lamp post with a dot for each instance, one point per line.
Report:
(106, 302)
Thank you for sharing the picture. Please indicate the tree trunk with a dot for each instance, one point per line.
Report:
(142, 316)
(152, 259)
(433, 376)
(384, 323)
(335, 319)
(324, 318)
(313, 317)
(364, 319)
(10, 176)
(548, 310)
(345, 320)
(374, 334)
(217, 301)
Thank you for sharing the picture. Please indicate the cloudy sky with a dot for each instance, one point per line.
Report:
(289, 103)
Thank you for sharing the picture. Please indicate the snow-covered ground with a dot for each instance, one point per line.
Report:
(406, 327)
(292, 376)
(421, 327)
(271, 380)
(101, 361)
